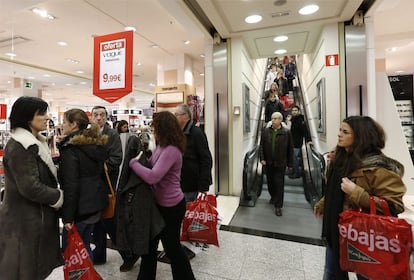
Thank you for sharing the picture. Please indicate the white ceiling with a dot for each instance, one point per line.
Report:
(168, 23)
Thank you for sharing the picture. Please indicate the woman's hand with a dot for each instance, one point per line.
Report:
(68, 226)
(347, 185)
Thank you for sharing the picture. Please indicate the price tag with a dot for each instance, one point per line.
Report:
(112, 67)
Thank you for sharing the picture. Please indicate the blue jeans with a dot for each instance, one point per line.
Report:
(297, 157)
(85, 232)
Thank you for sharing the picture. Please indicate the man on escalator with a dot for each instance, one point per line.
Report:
(299, 131)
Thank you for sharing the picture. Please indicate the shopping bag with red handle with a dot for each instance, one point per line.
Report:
(78, 265)
(377, 247)
(200, 221)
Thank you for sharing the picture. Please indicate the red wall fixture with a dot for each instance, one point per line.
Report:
(3, 111)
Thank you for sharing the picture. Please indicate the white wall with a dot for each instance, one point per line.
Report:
(250, 72)
(311, 69)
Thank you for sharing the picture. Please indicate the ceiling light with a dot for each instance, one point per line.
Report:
(138, 63)
(130, 28)
(399, 71)
(11, 55)
(253, 19)
(68, 85)
(201, 74)
(79, 72)
(31, 78)
(308, 10)
(62, 43)
(393, 49)
(281, 51)
(72, 60)
(82, 83)
(155, 46)
(42, 13)
(152, 85)
(281, 38)
(46, 75)
(202, 55)
(186, 42)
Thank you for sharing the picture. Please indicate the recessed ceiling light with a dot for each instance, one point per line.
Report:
(155, 46)
(130, 28)
(152, 85)
(399, 71)
(68, 84)
(253, 19)
(201, 74)
(281, 51)
(79, 72)
(82, 83)
(186, 42)
(62, 43)
(138, 63)
(281, 38)
(308, 10)
(202, 55)
(31, 78)
(42, 13)
(393, 49)
(46, 75)
(11, 55)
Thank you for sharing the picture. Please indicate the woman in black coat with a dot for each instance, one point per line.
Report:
(82, 156)
(29, 228)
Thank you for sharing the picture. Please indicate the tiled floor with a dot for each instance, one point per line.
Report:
(240, 257)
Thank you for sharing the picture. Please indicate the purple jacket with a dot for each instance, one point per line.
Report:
(164, 175)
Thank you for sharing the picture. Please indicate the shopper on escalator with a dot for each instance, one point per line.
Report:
(299, 132)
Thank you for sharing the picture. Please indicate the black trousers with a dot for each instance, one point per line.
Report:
(170, 238)
(276, 184)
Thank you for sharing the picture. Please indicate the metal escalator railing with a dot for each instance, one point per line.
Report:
(313, 173)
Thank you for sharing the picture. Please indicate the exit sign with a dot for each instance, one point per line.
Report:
(332, 60)
(28, 85)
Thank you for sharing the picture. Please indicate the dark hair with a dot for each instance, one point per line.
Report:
(120, 124)
(369, 139)
(100, 107)
(24, 109)
(89, 130)
(167, 130)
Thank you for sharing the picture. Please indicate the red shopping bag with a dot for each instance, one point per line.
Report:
(200, 222)
(78, 265)
(377, 247)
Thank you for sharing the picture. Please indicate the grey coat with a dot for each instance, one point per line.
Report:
(29, 229)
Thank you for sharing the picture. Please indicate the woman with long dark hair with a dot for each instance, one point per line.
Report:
(357, 171)
(164, 175)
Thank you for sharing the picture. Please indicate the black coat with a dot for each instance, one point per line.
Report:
(137, 216)
(113, 155)
(80, 175)
(284, 147)
(197, 161)
(271, 107)
(29, 228)
(299, 131)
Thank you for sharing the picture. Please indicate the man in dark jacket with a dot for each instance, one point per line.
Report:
(273, 105)
(113, 161)
(276, 152)
(197, 160)
(299, 132)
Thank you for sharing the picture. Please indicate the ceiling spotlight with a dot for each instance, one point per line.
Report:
(186, 42)
(62, 43)
(42, 13)
(130, 28)
(202, 55)
(399, 71)
(155, 46)
(393, 49)
(138, 63)
(281, 38)
(253, 19)
(79, 72)
(308, 10)
(281, 51)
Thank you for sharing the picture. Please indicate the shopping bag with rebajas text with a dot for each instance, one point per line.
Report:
(200, 222)
(78, 265)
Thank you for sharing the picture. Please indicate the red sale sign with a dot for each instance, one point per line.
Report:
(112, 67)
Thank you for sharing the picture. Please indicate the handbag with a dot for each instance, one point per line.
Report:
(375, 246)
(109, 211)
(200, 221)
(78, 264)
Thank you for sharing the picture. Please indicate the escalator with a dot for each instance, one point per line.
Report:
(313, 164)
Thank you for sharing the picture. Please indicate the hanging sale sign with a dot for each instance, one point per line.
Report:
(112, 67)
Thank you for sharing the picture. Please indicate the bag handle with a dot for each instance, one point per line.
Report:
(108, 179)
(384, 206)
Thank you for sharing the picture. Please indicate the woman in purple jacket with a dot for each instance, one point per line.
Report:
(164, 175)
